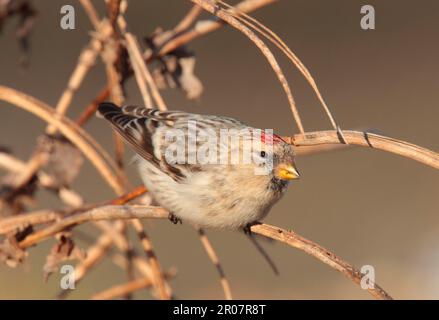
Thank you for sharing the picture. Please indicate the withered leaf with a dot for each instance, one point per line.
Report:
(26, 13)
(14, 200)
(10, 253)
(64, 159)
(62, 251)
(178, 71)
(187, 79)
(175, 69)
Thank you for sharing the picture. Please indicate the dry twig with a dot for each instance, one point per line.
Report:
(142, 212)
(371, 140)
(214, 258)
(127, 288)
(200, 29)
(84, 142)
(226, 16)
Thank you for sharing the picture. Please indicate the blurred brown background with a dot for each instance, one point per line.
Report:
(367, 206)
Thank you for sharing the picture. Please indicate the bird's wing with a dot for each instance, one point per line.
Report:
(138, 125)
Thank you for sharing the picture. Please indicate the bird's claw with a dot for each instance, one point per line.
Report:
(174, 219)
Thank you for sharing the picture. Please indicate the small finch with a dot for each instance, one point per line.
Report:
(184, 174)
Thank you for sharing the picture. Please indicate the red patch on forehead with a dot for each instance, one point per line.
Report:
(271, 138)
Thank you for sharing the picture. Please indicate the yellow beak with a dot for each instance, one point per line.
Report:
(288, 172)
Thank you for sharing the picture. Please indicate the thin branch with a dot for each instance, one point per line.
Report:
(96, 214)
(311, 150)
(133, 194)
(12, 223)
(204, 27)
(137, 62)
(90, 110)
(157, 275)
(143, 77)
(8, 224)
(68, 196)
(83, 141)
(226, 16)
(214, 258)
(91, 13)
(113, 7)
(296, 241)
(112, 235)
(200, 29)
(141, 70)
(98, 251)
(38, 160)
(128, 288)
(276, 40)
(370, 140)
(144, 212)
(86, 60)
(94, 254)
(188, 19)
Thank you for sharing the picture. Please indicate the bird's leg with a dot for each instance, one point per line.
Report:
(173, 218)
(247, 227)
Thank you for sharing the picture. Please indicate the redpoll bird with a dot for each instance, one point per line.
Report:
(219, 194)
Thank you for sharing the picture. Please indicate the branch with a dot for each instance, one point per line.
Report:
(12, 223)
(86, 60)
(158, 277)
(66, 195)
(142, 73)
(204, 27)
(296, 241)
(138, 66)
(91, 13)
(214, 258)
(200, 29)
(96, 214)
(129, 287)
(278, 42)
(142, 212)
(83, 141)
(370, 140)
(113, 8)
(189, 18)
(228, 17)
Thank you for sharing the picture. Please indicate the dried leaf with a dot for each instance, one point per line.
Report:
(62, 251)
(10, 253)
(178, 71)
(14, 200)
(64, 159)
(175, 69)
(187, 80)
(27, 14)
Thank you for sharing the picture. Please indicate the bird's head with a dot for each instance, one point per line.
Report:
(277, 158)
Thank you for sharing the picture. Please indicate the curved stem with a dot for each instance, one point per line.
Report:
(370, 140)
(290, 238)
(90, 148)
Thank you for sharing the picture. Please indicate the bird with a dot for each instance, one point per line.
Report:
(205, 194)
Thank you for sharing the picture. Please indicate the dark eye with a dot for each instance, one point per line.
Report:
(263, 154)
